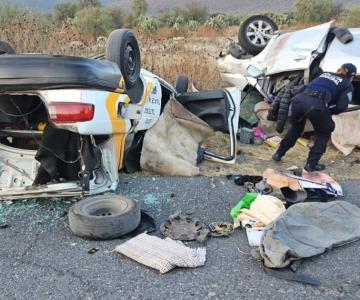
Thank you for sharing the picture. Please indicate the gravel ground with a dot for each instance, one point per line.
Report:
(41, 259)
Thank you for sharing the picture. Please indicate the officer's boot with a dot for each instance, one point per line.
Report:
(314, 168)
(277, 156)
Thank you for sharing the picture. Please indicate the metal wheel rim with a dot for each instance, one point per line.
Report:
(130, 58)
(259, 33)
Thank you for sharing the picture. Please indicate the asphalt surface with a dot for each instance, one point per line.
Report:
(41, 259)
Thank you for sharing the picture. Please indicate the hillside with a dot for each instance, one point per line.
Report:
(227, 6)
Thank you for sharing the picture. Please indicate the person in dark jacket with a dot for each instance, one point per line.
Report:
(329, 94)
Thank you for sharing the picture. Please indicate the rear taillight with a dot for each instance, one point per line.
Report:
(71, 112)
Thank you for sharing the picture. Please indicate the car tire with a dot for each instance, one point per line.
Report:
(5, 48)
(123, 49)
(255, 32)
(104, 217)
(182, 84)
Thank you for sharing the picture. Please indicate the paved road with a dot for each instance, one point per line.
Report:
(41, 259)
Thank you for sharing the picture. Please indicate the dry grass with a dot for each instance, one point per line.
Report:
(167, 53)
(171, 57)
(30, 36)
(170, 53)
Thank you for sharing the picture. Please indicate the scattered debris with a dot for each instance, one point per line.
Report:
(254, 235)
(241, 179)
(273, 142)
(356, 161)
(162, 254)
(4, 225)
(309, 229)
(303, 142)
(291, 276)
(255, 254)
(246, 135)
(297, 189)
(264, 210)
(184, 227)
(245, 202)
(104, 217)
(219, 229)
(93, 250)
(261, 188)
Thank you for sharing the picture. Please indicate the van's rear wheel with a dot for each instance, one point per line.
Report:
(123, 49)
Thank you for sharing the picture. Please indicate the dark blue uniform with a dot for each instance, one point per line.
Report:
(326, 95)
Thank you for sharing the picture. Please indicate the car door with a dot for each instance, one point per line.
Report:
(220, 109)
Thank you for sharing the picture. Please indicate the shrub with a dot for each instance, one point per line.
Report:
(168, 18)
(316, 11)
(217, 22)
(147, 23)
(89, 3)
(94, 20)
(192, 24)
(352, 17)
(10, 14)
(194, 11)
(139, 7)
(117, 15)
(233, 20)
(129, 21)
(282, 19)
(65, 11)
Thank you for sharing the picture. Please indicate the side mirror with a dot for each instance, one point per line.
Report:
(254, 71)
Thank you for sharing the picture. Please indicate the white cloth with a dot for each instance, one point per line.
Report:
(162, 255)
(264, 209)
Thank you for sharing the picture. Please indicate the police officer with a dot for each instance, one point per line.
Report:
(329, 94)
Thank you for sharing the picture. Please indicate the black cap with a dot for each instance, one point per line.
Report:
(350, 68)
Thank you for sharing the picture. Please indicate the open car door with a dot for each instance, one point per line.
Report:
(220, 109)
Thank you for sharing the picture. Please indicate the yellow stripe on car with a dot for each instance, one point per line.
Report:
(118, 125)
(148, 92)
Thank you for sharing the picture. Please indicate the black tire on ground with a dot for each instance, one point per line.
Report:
(5, 48)
(255, 32)
(104, 217)
(123, 49)
(182, 84)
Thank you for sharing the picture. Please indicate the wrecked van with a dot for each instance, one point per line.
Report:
(69, 124)
(293, 58)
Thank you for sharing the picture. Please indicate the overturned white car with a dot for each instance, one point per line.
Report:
(291, 59)
(302, 53)
(69, 124)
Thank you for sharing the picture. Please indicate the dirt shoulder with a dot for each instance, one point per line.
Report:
(253, 159)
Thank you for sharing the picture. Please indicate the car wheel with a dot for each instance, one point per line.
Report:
(182, 84)
(5, 48)
(104, 217)
(255, 33)
(123, 49)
